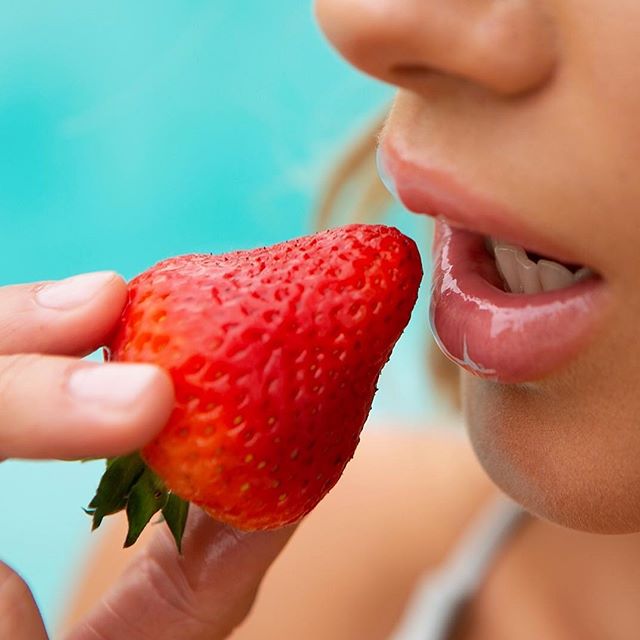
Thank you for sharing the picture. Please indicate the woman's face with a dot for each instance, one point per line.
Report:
(520, 120)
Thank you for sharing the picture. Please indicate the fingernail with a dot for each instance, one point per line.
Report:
(73, 292)
(114, 385)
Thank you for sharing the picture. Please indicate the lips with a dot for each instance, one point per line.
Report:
(490, 332)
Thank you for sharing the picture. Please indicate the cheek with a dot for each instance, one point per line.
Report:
(568, 450)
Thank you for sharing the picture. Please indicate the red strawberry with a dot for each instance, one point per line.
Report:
(274, 354)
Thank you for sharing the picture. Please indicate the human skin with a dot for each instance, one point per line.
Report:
(526, 119)
(53, 405)
(533, 104)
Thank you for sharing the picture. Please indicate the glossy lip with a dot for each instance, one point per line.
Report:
(500, 336)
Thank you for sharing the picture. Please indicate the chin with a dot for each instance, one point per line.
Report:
(559, 450)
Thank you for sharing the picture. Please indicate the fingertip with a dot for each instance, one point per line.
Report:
(242, 556)
(72, 409)
(126, 404)
(105, 308)
(154, 409)
(73, 316)
(117, 287)
(163, 395)
(78, 291)
(147, 400)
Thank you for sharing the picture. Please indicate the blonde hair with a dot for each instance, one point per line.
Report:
(354, 192)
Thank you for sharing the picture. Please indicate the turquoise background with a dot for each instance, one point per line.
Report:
(134, 131)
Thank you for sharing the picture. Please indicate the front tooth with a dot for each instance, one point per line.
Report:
(553, 276)
(507, 266)
(528, 272)
(582, 274)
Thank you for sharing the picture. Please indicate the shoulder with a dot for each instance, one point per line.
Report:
(403, 501)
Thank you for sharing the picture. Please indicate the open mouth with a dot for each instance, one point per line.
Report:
(528, 272)
(504, 316)
(511, 310)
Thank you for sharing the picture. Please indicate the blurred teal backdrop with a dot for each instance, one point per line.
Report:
(134, 131)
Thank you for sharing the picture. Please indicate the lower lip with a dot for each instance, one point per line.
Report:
(506, 337)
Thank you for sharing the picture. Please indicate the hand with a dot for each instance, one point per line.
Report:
(54, 405)
(203, 594)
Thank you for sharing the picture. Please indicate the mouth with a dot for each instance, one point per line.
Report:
(528, 273)
(508, 303)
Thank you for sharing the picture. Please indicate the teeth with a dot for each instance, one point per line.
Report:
(554, 276)
(523, 275)
(529, 277)
(582, 274)
(506, 259)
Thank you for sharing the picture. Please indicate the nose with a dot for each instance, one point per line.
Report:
(506, 46)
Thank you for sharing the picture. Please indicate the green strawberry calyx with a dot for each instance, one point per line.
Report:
(129, 485)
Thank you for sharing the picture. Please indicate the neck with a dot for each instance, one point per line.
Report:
(558, 584)
(593, 580)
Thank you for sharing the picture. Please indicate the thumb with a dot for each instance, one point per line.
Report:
(202, 594)
(19, 615)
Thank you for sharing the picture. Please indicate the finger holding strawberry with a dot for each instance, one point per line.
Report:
(243, 382)
(274, 355)
(54, 405)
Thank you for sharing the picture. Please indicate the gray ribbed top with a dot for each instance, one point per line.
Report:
(440, 596)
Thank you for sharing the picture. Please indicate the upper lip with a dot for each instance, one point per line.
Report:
(430, 190)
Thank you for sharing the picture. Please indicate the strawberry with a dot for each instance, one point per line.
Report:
(275, 354)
